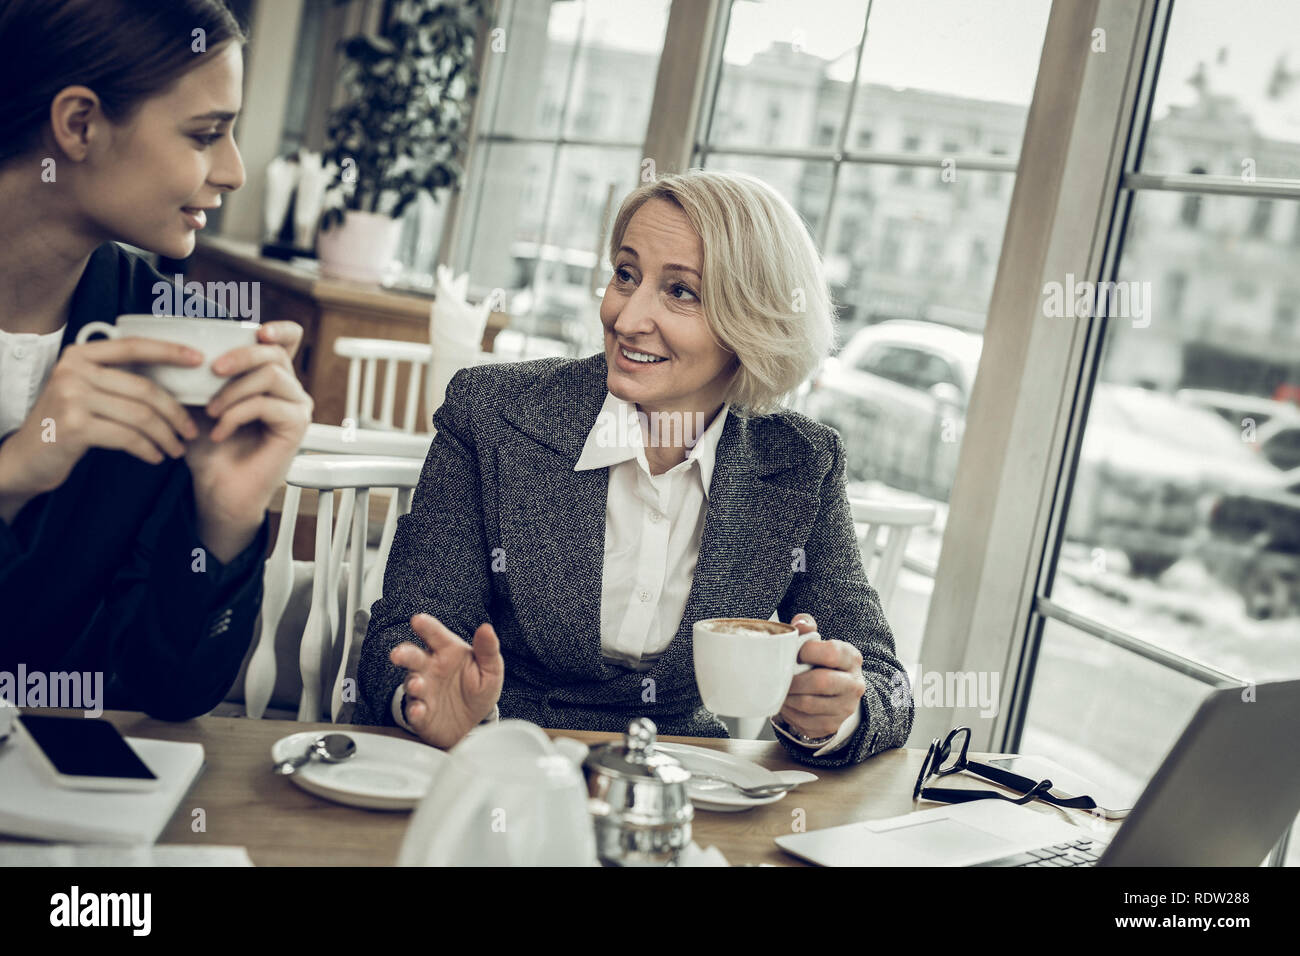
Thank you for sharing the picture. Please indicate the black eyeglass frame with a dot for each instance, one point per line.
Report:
(940, 751)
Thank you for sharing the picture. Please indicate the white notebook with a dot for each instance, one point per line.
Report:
(33, 805)
(160, 854)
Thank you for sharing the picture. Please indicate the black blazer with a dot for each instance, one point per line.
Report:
(503, 529)
(97, 575)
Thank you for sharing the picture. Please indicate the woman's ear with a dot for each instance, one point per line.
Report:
(74, 114)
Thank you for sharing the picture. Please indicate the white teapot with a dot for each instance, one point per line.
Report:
(507, 796)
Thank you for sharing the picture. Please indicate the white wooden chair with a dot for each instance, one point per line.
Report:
(431, 367)
(883, 529)
(323, 645)
(364, 356)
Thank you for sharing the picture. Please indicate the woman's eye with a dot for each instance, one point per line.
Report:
(206, 139)
(622, 275)
(682, 288)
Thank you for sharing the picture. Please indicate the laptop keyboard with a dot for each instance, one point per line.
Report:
(1078, 853)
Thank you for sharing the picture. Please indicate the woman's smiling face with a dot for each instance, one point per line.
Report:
(653, 306)
(151, 180)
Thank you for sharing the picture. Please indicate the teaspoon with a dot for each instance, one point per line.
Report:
(331, 748)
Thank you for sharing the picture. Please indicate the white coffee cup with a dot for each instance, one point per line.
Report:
(191, 385)
(743, 666)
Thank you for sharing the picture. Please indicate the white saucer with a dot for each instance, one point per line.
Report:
(386, 773)
(709, 795)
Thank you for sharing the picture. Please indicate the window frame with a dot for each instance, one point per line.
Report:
(1029, 396)
(990, 605)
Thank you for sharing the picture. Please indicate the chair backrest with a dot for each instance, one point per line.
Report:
(322, 648)
(364, 357)
(893, 521)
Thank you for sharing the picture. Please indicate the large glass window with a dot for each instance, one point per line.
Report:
(900, 154)
(1182, 531)
(563, 120)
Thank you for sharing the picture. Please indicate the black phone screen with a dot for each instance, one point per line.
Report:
(81, 747)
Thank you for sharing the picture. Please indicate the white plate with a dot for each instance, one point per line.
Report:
(386, 773)
(710, 795)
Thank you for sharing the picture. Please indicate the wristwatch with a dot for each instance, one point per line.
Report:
(809, 741)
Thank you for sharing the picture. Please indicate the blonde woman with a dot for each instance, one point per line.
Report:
(574, 518)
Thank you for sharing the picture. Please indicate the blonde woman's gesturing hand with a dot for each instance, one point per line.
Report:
(452, 686)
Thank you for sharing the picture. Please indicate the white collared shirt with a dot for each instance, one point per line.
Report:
(26, 361)
(653, 528)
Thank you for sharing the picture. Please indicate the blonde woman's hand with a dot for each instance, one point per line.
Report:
(452, 686)
(821, 699)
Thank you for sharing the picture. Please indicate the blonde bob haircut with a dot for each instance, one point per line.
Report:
(764, 292)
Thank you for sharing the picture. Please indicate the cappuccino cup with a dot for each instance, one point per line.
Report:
(743, 666)
(191, 385)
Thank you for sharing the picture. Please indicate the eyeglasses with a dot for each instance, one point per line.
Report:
(943, 758)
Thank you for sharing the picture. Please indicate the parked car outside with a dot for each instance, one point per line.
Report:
(1148, 464)
(1270, 426)
(1235, 408)
(1278, 440)
(1254, 546)
(897, 393)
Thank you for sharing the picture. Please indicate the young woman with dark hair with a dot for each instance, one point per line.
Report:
(132, 529)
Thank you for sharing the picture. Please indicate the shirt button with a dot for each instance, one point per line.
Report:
(20, 351)
(655, 517)
(644, 595)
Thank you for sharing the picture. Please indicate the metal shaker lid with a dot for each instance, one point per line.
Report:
(636, 757)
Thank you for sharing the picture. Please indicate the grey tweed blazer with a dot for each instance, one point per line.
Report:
(502, 529)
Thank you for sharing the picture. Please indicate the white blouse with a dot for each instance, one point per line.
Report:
(26, 361)
(653, 528)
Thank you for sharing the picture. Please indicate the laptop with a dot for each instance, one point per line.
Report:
(1223, 796)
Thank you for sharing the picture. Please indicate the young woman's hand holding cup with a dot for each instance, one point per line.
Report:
(247, 437)
(238, 449)
(89, 401)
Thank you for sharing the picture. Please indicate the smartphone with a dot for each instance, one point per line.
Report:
(85, 753)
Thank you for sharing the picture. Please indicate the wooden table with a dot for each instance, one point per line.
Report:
(245, 804)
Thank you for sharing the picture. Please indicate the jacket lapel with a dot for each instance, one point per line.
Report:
(552, 518)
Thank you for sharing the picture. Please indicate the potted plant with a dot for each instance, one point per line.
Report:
(402, 130)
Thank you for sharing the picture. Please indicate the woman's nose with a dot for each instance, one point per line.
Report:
(637, 314)
(228, 174)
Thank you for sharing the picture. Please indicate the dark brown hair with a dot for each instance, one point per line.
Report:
(124, 50)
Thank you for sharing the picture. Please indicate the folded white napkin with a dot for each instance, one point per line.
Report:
(312, 181)
(693, 855)
(455, 331)
(281, 180)
(453, 320)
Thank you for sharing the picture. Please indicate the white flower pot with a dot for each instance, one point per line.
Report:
(363, 248)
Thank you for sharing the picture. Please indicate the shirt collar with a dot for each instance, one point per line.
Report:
(616, 437)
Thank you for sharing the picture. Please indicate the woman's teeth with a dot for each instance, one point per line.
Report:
(642, 357)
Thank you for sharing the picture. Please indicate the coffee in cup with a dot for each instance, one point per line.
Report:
(743, 666)
(191, 385)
